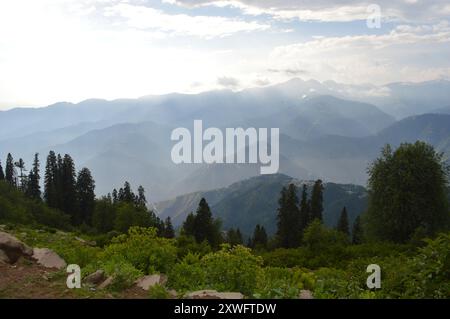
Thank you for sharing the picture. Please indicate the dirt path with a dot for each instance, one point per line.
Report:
(28, 280)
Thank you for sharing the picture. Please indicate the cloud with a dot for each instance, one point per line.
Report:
(146, 18)
(412, 53)
(228, 82)
(331, 10)
(289, 71)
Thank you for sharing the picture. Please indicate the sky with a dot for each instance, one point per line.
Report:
(68, 50)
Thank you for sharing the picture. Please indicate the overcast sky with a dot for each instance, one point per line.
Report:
(67, 50)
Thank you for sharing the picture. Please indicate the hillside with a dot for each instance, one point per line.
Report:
(254, 201)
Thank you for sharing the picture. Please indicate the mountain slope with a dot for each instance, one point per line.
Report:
(247, 203)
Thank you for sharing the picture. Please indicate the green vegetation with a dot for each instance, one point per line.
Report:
(404, 231)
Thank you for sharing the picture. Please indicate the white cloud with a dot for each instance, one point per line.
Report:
(142, 17)
(331, 10)
(413, 53)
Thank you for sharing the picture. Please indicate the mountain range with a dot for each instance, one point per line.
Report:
(327, 130)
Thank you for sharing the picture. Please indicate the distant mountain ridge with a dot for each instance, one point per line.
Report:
(255, 200)
(324, 133)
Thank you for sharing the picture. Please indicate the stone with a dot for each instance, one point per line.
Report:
(85, 242)
(149, 281)
(305, 294)
(48, 258)
(213, 294)
(95, 278)
(105, 284)
(13, 248)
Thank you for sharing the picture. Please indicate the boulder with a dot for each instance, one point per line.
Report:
(85, 242)
(105, 284)
(48, 258)
(213, 294)
(13, 248)
(305, 294)
(149, 281)
(95, 278)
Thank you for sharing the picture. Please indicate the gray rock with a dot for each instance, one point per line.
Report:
(13, 248)
(48, 258)
(213, 294)
(105, 284)
(95, 278)
(149, 281)
(305, 294)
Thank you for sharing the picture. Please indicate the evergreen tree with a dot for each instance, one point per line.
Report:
(407, 193)
(234, 237)
(69, 203)
(140, 198)
(86, 197)
(20, 164)
(202, 226)
(33, 188)
(2, 175)
(126, 195)
(317, 201)
(357, 232)
(304, 209)
(343, 225)
(259, 239)
(10, 171)
(115, 196)
(50, 181)
(169, 232)
(189, 225)
(288, 232)
(104, 215)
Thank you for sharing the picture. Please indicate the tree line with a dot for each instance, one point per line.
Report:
(73, 194)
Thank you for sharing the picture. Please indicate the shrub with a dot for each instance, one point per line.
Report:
(283, 283)
(232, 269)
(158, 292)
(143, 249)
(123, 272)
(188, 275)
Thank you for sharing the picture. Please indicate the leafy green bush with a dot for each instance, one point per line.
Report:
(123, 272)
(143, 249)
(283, 283)
(158, 292)
(232, 269)
(188, 275)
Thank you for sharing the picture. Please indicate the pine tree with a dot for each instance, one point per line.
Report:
(2, 175)
(86, 197)
(33, 188)
(202, 226)
(204, 229)
(343, 225)
(189, 225)
(357, 232)
(234, 237)
(115, 196)
(50, 181)
(259, 239)
(169, 232)
(288, 232)
(126, 195)
(140, 198)
(69, 203)
(20, 164)
(10, 171)
(304, 209)
(317, 201)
